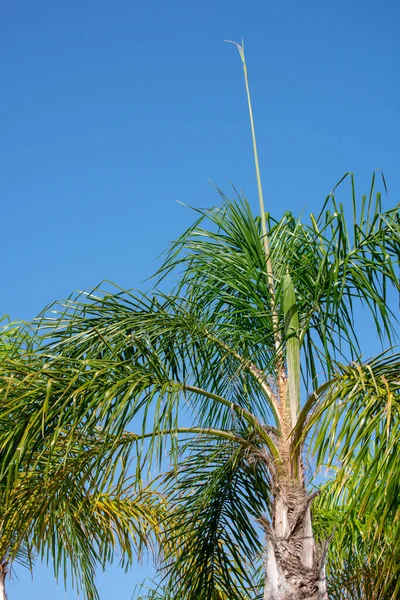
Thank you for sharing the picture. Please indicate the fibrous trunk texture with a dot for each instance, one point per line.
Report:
(295, 570)
(3, 573)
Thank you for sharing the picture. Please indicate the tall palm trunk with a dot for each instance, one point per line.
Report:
(294, 569)
(294, 566)
(3, 574)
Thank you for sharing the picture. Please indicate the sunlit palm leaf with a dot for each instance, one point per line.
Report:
(63, 510)
(363, 556)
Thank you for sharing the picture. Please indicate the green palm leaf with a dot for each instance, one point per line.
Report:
(215, 498)
(78, 512)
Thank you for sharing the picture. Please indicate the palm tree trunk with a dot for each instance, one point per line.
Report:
(295, 570)
(3, 573)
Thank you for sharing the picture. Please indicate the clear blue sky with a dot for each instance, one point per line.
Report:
(111, 111)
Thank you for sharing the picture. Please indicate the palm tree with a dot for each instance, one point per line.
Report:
(219, 361)
(252, 357)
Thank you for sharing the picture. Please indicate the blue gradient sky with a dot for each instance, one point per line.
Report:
(112, 111)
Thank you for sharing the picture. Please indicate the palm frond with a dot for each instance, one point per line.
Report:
(216, 494)
(357, 414)
(75, 506)
(363, 556)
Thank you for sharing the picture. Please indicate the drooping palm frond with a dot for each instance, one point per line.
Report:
(356, 432)
(67, 498)
(109, 359)
(76, 517)
(357, 414)
(215, 497)
(168, 333)
(362, 559)
(95, 394)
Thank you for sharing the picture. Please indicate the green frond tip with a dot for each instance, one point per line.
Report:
(292, 346)
(240, 48)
